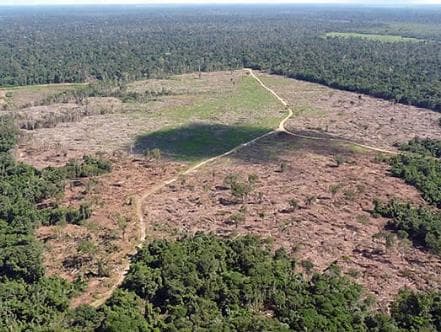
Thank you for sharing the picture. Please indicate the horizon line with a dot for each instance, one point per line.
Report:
(224, 3)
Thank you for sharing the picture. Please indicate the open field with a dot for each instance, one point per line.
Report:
(374, 37)
(305, 203)
(27, 96)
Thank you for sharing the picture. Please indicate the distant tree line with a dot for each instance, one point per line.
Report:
(53, 46)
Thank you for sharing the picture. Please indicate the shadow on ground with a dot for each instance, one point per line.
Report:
(271, 149)
(197, 141)
(201, 141)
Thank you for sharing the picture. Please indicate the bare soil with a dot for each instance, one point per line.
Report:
(353, 116)
(328, 220)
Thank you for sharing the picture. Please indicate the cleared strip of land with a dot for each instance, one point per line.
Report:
(374, 37)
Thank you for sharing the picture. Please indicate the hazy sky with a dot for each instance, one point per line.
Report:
(365, 2)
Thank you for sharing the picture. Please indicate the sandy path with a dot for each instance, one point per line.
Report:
(291, 113)
(141, 200)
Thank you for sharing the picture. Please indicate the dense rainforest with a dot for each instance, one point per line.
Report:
(53, 45)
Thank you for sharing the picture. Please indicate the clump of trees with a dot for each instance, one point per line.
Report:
(420, 224)
(419, 165)
(204, 282)
(207, 283)
(422, 168)
(423, 146)
(240, 189)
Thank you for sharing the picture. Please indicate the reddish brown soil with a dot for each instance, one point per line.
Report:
(112, 196)
(352, 116)
(332, 222)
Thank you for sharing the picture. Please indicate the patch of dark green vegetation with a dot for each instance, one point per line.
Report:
(420, 169)
(54, 46)
(419, 165)
(423, 146)
(415, 312)
(197, 141)
(419, 224)
(28, 299)
(205, 283)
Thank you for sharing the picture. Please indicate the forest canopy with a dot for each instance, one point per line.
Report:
(52, 45)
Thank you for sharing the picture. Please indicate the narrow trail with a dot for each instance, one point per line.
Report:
(283, 129)
(140, 201)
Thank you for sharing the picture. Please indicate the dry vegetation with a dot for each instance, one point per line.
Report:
(27, 96)
(352, 116)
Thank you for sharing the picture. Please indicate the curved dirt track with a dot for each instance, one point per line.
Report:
(291, 113)
(140, 201)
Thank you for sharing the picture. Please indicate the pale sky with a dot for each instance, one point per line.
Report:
(79, 2)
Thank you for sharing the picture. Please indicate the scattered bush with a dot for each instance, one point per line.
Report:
(89, 166)
(239, 189)
(154, 154)
(339, 160)
(68, 215)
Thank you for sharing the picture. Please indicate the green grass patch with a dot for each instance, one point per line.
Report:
(374, 37)
(247, 104)
(214, 124)
(309, 111)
